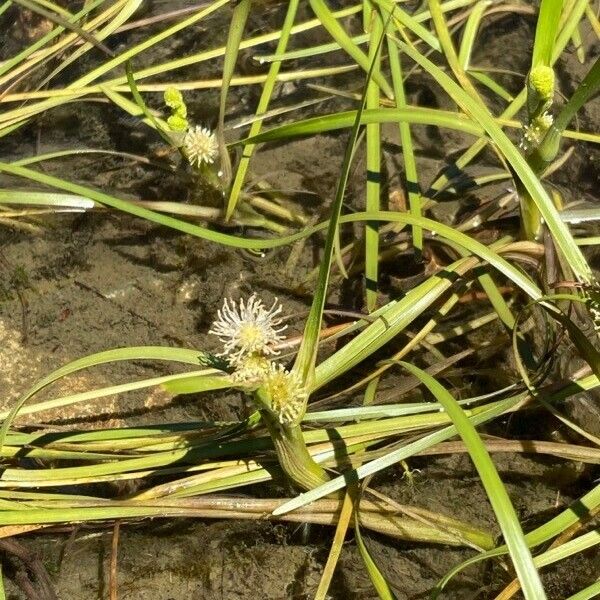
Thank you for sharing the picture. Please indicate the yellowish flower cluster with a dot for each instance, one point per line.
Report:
(200, 146)
(541, 79)
(534, 133)
(249, 332)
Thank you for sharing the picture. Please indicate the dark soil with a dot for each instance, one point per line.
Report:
(100, 281)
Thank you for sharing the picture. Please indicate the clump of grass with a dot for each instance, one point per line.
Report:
(183, 469)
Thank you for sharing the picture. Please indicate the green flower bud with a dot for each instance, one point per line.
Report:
(177, 123)
(180, 111)
(173, 98)
(541, 79)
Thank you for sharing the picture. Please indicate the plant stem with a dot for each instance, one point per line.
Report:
(293, 454)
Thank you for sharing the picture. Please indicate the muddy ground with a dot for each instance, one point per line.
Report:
(92, 282)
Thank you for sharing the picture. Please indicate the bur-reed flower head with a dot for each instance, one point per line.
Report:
(251, 370)
(174, 99)
(287, 393)
(248, 328)
(534, 133)
(541, 79)
(177, 121)
(200, 146)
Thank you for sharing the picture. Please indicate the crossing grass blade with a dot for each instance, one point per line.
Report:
(491, 84)
(9, 65)
(373, 164)
(589, 592)
(496, 492)
(382, 587)
(443, 33)
(545, 33)
(241, 10)
(583, 506)
(145, 352)
(242, 168)
(407, 114)
(379, 464)
(444, 231)
(403, 21)
(346, 514)
(307, 354)
(470, 33)
(65, 23)
(338, 33)
(557, 553)
(408, 153)
(125, 11)
(560, 232)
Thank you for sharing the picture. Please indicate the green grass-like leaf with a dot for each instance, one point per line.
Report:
(495, 490)
(338, 33)
(560, 232)
(373, 160)
(242, 168)
(145, 352)
(382, 587)
(546, 31)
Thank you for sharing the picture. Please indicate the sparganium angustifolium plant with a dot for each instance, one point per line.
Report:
(250, 332)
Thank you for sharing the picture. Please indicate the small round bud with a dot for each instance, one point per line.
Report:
(177, 123)
(541, 79)
(173, 98)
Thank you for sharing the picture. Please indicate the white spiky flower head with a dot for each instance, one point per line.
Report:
(248, 328)
(286, 392)
(200, 146)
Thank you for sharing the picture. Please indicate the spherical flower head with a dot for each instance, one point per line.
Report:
(251, 370)
(248, 328)
(177, 123)
(173, 98)
(541, 78)
(287, 394)
(200, 145)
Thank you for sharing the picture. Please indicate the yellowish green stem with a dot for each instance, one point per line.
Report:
(293, 455)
